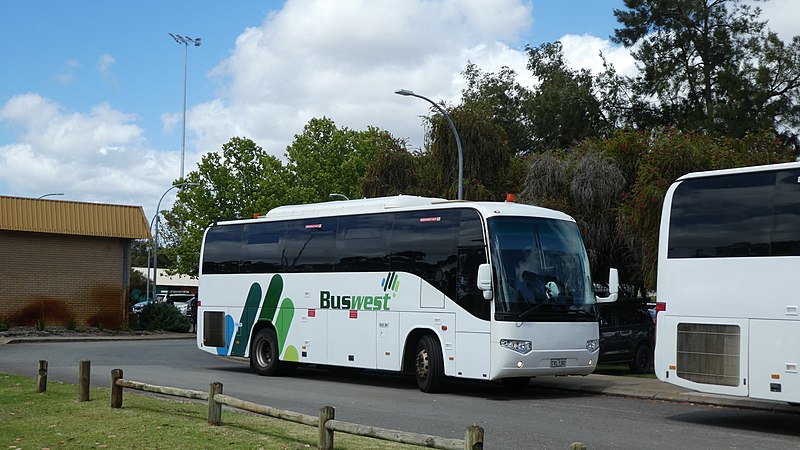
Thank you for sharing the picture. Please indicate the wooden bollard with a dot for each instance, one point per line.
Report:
(214, 408)
(116, 391)
(326, 413)
(473, 438)
(84, 375)
(41, 377)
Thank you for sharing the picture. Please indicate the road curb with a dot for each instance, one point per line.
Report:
(51, 339)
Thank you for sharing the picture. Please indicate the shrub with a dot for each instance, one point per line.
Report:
(163, 316)
(72, 324)
(4, 324)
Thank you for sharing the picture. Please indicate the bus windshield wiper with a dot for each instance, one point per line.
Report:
(528, 311)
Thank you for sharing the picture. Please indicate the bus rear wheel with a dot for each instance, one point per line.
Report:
(429, 365)
(264, 352)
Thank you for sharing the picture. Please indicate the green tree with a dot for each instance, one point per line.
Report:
(709, 65)
(564, 108)
(394, 171)
(240, 182)
(501, 98)
(325, 159)
(587, 185)
(485, 153)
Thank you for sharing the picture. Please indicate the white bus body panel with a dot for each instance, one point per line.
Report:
(775, 377)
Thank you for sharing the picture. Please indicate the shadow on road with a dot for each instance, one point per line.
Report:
(488, 390)
(745, 420)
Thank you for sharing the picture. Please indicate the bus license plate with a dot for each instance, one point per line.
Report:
(560, 362)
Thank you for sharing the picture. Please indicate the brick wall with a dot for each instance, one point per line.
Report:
(62, 278)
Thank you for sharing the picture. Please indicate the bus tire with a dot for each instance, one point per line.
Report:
(264, 353)
(516, 384)
(429, 366)
(642, 360)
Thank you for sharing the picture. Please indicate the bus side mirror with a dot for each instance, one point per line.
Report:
(485, 280)
(613, 287)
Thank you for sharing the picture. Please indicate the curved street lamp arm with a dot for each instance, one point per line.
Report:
(407, 92)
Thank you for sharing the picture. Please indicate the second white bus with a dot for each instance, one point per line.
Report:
(729, 283)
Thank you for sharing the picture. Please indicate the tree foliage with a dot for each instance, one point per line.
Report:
(486, 156)
(586, 184)
(244, 180)
(240, 182)
(564, 108)
(325, 159)
(709, 65)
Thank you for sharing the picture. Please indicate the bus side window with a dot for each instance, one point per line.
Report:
(471, 254)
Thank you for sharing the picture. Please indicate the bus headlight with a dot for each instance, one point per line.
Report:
(522, 347)
(592, 345)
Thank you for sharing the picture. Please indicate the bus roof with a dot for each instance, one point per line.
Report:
(748, 169)
(402, 203)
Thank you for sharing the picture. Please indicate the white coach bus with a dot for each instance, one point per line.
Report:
(728, 283)
(440, 288)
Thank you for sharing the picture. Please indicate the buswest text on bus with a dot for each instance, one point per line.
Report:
(479, 290)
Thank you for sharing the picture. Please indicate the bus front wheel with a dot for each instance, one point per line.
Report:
(264, 352)
(429, 364)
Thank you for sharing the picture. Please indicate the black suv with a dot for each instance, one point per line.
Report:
(627, 334)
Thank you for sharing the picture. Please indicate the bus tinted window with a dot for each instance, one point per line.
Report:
(471, 254)
(363, 243)
(263, 247)
(724, 216)
(310, 245)
(222, 249)
(424, 243)
(786, 229)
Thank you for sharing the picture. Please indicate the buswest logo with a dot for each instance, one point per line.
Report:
(375, 302)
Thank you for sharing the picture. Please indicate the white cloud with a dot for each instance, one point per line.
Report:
(96, 156)
(344, 60)
(583, 52)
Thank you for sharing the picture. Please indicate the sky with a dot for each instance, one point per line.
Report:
(91, 92)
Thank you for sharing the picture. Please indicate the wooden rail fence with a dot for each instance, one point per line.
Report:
(325, 422)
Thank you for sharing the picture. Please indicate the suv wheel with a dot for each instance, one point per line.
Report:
(643, 360)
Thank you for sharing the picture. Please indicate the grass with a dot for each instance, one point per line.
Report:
(55, 419)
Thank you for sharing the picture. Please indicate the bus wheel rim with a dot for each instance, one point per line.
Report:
(422, 364)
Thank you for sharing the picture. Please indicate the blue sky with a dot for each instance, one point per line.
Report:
(91, 92)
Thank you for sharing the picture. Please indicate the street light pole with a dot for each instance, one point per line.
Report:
(155, 236)
(51, 194)
(406, 92)
(185, 41)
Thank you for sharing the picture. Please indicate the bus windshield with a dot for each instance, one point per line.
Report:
(542, 270)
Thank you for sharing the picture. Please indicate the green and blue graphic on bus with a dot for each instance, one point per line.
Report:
(258, 309)
(375, 302)
(267, 311)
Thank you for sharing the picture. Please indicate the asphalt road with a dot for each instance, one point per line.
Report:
(537, 418)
